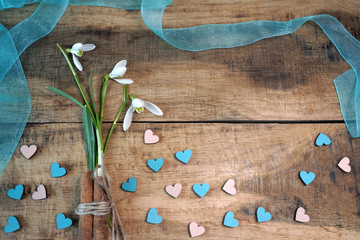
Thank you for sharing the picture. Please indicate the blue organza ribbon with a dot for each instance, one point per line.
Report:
(15, 103)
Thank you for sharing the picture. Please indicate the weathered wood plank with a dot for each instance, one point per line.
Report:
(265, 160)
(284, 78)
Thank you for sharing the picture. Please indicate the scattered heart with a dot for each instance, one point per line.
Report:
(173, 191)
(300, 215)
(184, 156)
(17, 192)
(150, 137)
(57, 171)
(130, 185)
(155, 165)
(344, 164)
(262, 216)
(201, 189)
(307, 178)
(40, 193)
(28, 151)
(322, 139)
(153, 217)
(196, 230)
(230, 221)
(13, 225)
(63, 222)
(229, 187)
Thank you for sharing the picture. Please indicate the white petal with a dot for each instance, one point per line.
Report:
(153, 108)
(117, 72)
(77, 63)
(137, 103)
(128, 118)
(124, 81)
(122, 63)
(88, 47)
(76, 47)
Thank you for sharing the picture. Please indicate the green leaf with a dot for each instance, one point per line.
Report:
(66, 96)
(89, 137)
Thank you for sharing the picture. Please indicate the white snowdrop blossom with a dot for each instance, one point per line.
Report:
(119, 71)
(138, 105)
(77, 50)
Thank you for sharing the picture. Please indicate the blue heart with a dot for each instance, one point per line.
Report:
(17, 192)
(307, 178)
(184, 156)
(230, 221)
(57, 171)
(130, 185)
(262, 216)
(201, 190)
(322, 139)
(153, 216)
(63, 222)
(155, 164)
(13, 225)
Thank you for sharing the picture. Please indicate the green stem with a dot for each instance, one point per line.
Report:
(103, 96)
(116, 118)
(77, 80)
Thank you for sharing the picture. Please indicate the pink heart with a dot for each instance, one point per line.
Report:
(229, 187)
(40, 193)
(28, 151)
(300, 215)
(174, 191)
(150, 138)
(195, 229)
(344, 164)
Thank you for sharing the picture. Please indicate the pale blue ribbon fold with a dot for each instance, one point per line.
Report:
(15, 103)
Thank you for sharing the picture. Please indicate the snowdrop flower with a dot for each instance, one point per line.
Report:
(138, 105)
(119, 71)
(77, 50)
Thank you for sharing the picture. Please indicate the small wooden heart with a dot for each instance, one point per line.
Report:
(150, 137)
(40, 193)
(229, 187)
(344, 164)
(196, 230)
(28, 151)
(300, 215)
(174, 191)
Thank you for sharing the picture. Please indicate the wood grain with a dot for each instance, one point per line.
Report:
(247, 113)
(264, 159)
(283, 78)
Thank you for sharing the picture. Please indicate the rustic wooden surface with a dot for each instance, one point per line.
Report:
(250, 113)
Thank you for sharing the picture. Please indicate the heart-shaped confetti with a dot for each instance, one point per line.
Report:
(229, 187)
(230, 221)
(62, 221)
(184, 156)
(174, 191)
(155, 165)
(262, 215)
(13, 225)
(153, 217)
(344, 164)
(17, 192)
(307, 178)
(40, 193)
(201, 189)
(300, 215)
(150, 137)
(57, 171)
(28, 151)
(196, 230)
(130, 185)
(322, 139)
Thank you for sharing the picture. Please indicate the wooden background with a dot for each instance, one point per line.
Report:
(250, 113)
